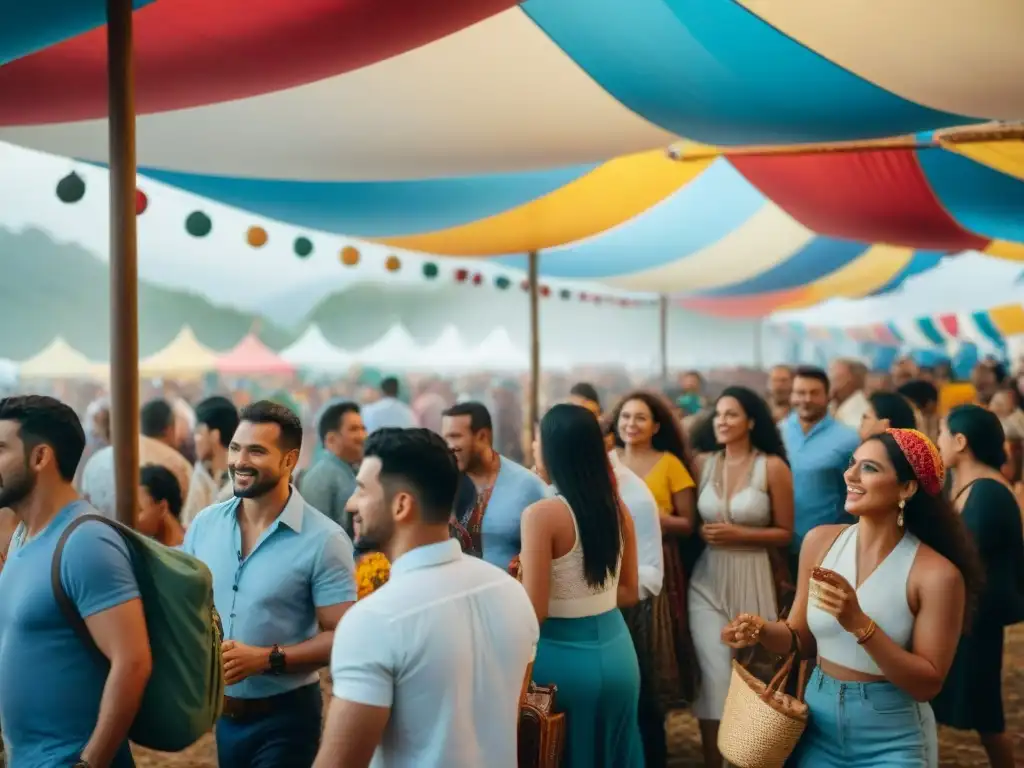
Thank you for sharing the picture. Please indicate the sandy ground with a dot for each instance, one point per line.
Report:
(957, 749)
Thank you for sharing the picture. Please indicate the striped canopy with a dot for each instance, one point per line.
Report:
(484, 128)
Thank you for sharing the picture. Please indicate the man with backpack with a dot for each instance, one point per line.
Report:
(283, 576)
(59, 706)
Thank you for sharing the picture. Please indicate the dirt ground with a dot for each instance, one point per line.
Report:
(957, 749)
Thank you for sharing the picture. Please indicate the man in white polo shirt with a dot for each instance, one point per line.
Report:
(428, 670)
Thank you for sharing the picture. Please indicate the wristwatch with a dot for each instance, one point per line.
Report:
(81, 764)
(277, 660)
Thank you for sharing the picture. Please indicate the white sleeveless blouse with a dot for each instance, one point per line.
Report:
(571, 596)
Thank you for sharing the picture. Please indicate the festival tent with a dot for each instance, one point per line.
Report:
(185, 357)
(59, 360)
(448, 353)
(395, 350)
(252, 357)
(8, 371)
(498, 352)
(312, 351)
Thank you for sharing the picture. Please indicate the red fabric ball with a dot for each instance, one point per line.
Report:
(141, 202)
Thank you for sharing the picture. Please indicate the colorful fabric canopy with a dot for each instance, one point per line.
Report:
(185, 357)
(389, 89)
(252, 357)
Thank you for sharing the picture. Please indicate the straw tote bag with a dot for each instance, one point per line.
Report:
(761, 725)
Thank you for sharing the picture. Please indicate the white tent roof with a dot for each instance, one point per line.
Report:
(312, 350)
(969, 282)
(448, 352)
(8, 371)
(395, 350)
(497, 352)
(59, 360)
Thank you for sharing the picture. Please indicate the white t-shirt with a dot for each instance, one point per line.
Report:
(445, 645)
(644, 510)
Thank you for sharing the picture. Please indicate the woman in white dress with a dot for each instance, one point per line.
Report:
(745, 506)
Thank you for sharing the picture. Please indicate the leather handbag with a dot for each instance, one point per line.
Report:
(541, 729)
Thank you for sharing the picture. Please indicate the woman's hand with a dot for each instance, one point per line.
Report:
(721, 534)
(833, 594)
(744, 631)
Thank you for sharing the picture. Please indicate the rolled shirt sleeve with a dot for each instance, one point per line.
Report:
(334, 575)
(363, 666)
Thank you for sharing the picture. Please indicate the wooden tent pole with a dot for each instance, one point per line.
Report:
(124, 271)
(534, 286)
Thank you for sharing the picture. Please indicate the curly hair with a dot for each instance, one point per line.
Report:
(764, 436)
(669, 436)
(933, 520)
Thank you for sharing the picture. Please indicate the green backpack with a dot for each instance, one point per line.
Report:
(185, 693)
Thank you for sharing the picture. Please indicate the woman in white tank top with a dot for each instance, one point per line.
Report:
(579, 565)
(882, 604)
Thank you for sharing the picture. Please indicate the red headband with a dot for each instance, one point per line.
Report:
(923, 457)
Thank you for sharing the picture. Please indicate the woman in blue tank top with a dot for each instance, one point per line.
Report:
(881, 604)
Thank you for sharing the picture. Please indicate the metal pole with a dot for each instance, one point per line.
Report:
(663, 337)
(534, 258)
(124, 270)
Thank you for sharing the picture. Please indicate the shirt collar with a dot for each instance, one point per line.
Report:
(340, 462)
(292, 514)
(428, 556)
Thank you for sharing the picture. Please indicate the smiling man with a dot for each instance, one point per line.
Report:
(282, 579)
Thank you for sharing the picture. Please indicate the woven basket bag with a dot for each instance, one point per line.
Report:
(761, 725)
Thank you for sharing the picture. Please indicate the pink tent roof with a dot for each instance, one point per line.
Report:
(251, 356)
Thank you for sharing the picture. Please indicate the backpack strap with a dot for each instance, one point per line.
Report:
(64, 602)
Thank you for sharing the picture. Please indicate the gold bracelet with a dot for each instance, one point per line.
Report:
(865, 634)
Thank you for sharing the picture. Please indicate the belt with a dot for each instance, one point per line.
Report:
(252, 709)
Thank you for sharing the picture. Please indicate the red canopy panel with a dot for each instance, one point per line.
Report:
(876, 196)
(757, 305)
(196, 52)
(950, 325)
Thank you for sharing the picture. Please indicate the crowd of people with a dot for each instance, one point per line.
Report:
(867, 524)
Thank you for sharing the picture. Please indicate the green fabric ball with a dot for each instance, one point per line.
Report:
(303, 247)
(501, 282)
(71, 188)
(430, 270)
(198, 224)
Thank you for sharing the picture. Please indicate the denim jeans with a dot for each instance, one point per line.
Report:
(287, 736)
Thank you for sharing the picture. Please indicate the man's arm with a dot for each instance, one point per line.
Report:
(363, 674)
(97, 575)
(120, 633)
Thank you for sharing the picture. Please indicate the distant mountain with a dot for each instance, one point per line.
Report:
(49, 288)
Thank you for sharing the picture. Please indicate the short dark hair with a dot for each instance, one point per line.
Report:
(421, 461)
(162, 486)
(269, 412)
(920, 392)
(330, 419)
(156, 418)
(47, 421)
(389, 386)
(479, 416)
(219, 413)
(812, 372)
(587, 391)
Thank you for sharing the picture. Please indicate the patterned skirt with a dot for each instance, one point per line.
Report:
(661, 634)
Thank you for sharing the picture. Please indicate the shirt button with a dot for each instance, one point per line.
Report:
(235, 587)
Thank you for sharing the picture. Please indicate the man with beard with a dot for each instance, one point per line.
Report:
(427, 670)
(503, 488)
(283, 576)
(57, 704)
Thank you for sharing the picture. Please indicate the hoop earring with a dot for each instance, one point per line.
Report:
(899, 517)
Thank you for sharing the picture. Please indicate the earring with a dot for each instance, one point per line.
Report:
(899, 517)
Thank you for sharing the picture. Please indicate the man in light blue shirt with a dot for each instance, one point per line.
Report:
(60, 706)
(389, 411)
(427, 670)
(283, 576)
(819, 449)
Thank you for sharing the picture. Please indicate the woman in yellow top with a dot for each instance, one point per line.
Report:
(649, 441)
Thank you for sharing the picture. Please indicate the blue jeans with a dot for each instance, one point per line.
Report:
(861, 725)
(289, 735)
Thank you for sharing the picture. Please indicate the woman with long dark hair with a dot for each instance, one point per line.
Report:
(649, 441)
(886, 410)
(746, 507)
(882, 604)
(579, 566)
(971, 443)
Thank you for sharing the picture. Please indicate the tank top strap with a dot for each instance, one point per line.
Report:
(575, 525)
(836, 556)
(759, 473)
(708, 470)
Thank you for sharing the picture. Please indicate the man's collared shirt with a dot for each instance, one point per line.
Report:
(302, 562)
(328, 485)
(445, 645)
(818, 459)
(388, 412)
(644, 510)
(203, 492)
(852, 410)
